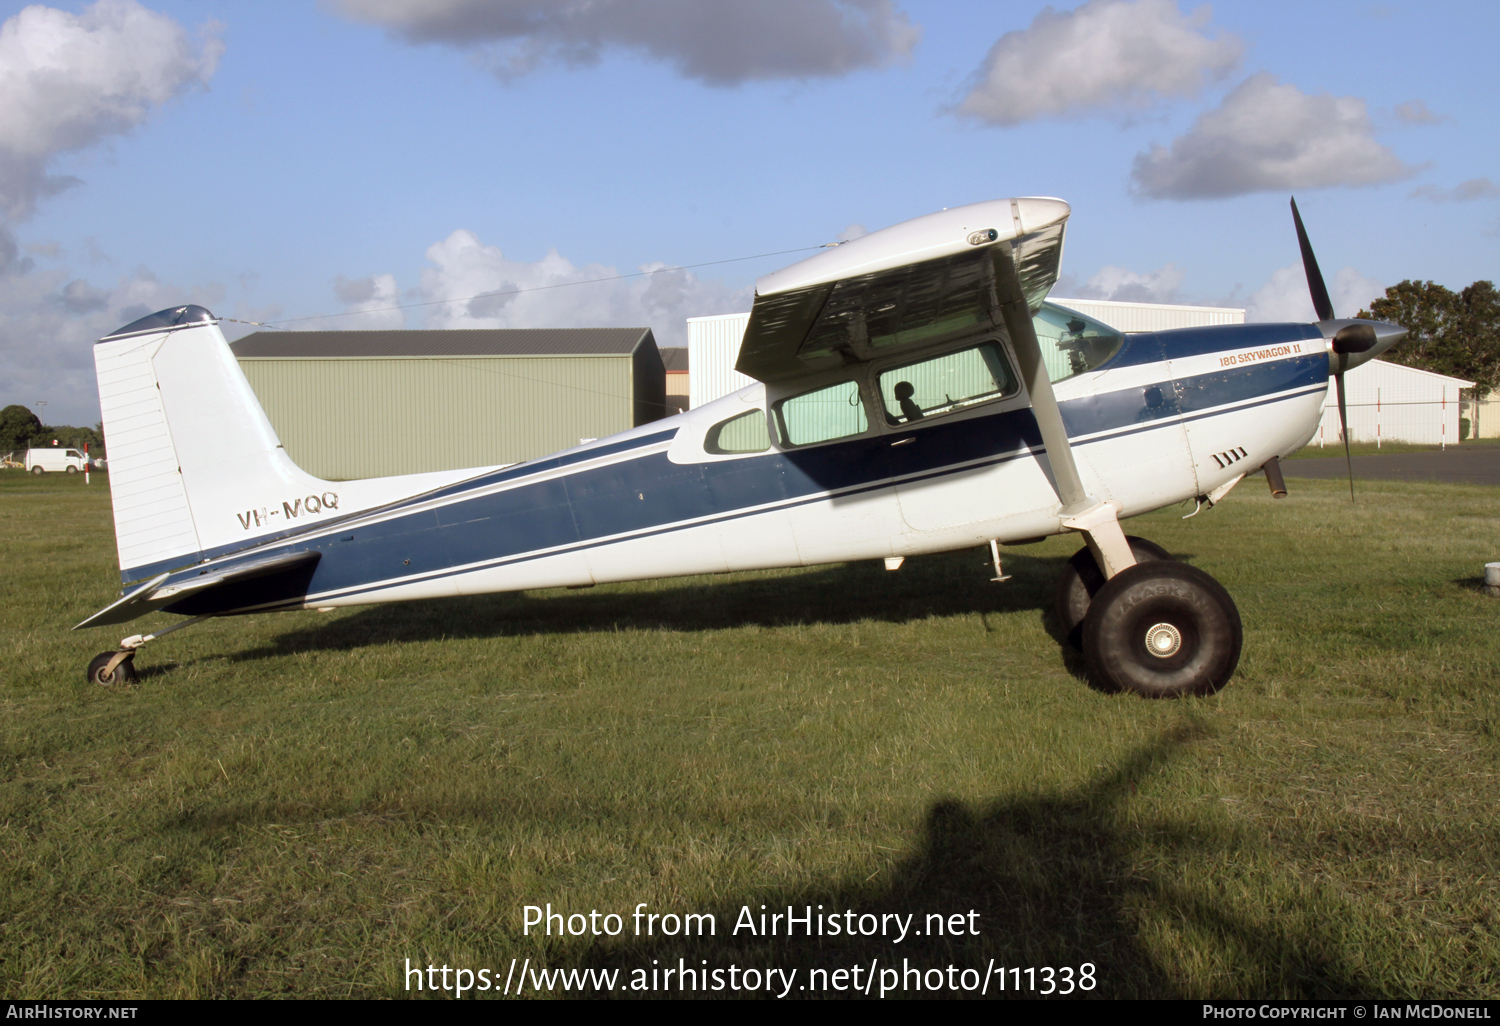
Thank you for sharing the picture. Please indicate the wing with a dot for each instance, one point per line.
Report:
(905, 286)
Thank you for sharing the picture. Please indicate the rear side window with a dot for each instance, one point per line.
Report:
(745, 433)
(822, 416)
(945, 383)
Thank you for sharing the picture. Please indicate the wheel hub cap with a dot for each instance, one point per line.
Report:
(1163, 640)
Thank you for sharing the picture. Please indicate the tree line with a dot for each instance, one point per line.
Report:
(22, 429)
(1453, 333)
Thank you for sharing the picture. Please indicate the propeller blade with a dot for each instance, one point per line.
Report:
(1338, 379)
(1320, 300)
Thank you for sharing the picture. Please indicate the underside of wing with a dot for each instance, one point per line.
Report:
(915, 283)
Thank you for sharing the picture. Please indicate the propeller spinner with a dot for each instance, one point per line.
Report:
(1354, 341)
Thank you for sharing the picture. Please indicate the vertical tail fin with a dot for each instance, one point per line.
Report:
(188, 443)
(196, 470)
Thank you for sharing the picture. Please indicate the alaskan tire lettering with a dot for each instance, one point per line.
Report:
(1143, 598)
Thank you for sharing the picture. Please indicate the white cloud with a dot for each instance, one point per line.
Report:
(849, 234)
(1107, 54)
(1416, 112)
(1125, 286)
(1352, 292)
(370, 303)
(547, 293)
(69, 80)
(1463, 192)
(1268, 136)
(49, 321)
(722, 42)
(1285, 296)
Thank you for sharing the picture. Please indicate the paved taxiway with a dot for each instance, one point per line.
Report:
(1478, 464)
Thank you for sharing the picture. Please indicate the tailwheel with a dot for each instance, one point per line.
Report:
(111, 668)
(1081, 580)
(1162, 629)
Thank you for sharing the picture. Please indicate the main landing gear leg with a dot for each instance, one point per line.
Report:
(1100, 526)
(108, 668)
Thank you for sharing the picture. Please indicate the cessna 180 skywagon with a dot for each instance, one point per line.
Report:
(914, 395)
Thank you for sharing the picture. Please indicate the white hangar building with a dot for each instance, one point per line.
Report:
(1390, 403)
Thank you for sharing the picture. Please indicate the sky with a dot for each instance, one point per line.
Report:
(569, 163)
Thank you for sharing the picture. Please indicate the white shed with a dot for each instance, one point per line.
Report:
(1391, 403)
(713, 348)
(1151, 316)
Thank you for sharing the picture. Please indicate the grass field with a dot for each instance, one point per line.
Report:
(295, 804)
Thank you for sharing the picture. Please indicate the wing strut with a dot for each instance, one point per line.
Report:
(1096, 520)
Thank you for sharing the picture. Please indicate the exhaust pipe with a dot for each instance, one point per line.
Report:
(1274, 478)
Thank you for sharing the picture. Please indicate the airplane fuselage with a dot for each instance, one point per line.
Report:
(1170, 416)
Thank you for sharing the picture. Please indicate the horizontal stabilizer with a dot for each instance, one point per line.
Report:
(240, 572)
(153, 595)
(137, 603)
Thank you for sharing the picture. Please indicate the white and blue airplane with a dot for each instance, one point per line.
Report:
(914, 394)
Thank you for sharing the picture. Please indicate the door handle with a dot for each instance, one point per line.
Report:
(905, 441)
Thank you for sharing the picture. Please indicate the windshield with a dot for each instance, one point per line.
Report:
(1071, 342)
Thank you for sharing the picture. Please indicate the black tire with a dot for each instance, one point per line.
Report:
(1183, 608)
(72, 470)
(38, 471)
(1081, 580)
(123, 674)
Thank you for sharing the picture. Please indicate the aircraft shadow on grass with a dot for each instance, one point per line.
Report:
(1057, 878)
(1058, 881)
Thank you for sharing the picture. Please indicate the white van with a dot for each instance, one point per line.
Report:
(56, 461)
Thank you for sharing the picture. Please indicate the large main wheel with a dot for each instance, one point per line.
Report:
(1162, 629)
(1081, 580)
(124, 673)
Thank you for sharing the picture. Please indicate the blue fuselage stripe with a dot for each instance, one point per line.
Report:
(520, 470)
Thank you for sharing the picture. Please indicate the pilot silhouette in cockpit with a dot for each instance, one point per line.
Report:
(909, 408)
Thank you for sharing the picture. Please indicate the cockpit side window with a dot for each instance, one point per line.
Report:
(1072, 343)
(745, 433)
(945, 383)
(822, 415)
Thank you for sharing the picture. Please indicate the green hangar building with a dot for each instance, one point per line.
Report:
(354, 404)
